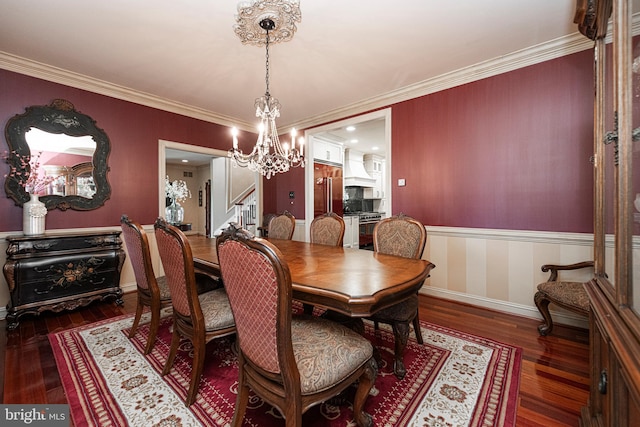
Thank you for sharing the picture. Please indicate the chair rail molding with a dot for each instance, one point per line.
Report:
(496, 269)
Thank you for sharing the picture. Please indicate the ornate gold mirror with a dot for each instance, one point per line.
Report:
(71, 149)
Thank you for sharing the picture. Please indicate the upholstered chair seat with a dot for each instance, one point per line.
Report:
(401, 312)
(326, 352)
(163, 287)
(216, 310)
(570, 293)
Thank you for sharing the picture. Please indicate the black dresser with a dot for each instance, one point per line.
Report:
(59, 272)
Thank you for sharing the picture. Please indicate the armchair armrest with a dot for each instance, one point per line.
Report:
(553, 268)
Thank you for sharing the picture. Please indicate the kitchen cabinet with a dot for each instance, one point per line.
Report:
(614, 292)
(374, 165)
(324, 151)
(57, 272)
(351, 231)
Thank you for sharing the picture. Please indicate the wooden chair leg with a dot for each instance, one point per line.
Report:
(242, 399)
(153, 330)
(417, 329)
(365, 383)
(175, 341)
(136, 320)
(542, 302)
(196, 371)
(401, 335)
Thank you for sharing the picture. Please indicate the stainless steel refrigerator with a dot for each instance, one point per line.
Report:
(327, 189)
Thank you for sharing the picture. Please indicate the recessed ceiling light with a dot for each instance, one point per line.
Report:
(375, 148)
(350, 128)
(354, 141)
(185, 161)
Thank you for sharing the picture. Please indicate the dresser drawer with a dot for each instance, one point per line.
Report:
(63, 276)
(57, 272)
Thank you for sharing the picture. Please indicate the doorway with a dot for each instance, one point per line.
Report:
(217, 177)
(379, 136)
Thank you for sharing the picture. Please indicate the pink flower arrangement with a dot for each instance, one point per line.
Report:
(30, 175)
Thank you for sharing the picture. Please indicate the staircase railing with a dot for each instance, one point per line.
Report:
(247, 211)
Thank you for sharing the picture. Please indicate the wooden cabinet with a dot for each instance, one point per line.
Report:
(351, 231)
(614, 292)
(61, 272)
(327, 152)
(374, 165)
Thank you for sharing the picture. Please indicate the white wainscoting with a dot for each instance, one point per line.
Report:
(500, 269)
(496, 269)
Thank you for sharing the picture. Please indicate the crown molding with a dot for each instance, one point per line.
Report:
(546, 51)
(562, 46)
(53, 74)
(534, 55)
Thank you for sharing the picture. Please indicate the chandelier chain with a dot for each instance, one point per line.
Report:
(267, 94)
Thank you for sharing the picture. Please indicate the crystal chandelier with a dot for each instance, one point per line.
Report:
(277, 19)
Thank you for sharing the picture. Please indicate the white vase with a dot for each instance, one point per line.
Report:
(33, 216)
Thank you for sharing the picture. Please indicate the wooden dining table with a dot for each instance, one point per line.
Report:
(350, 283)
(354, 282)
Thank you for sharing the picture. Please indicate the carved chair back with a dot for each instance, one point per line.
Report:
(282, 226)
(328, 229)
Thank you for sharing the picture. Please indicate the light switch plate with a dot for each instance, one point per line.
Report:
(401, 182)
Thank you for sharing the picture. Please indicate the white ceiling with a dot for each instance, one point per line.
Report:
(343, 53)
(347, 57)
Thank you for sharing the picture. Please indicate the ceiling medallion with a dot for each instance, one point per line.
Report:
(283, 13)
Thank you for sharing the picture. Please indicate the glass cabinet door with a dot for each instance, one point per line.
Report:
(608, 145)
(626, 57)
(634, 297)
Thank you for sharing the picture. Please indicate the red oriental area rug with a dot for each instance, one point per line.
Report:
(454, 379)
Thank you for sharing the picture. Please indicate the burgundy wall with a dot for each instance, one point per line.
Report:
(133, 130)
(276, 193)
(507, 152)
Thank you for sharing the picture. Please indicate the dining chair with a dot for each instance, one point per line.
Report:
(328, 229)
(282, 226)
(152, 291)
(264, 228)
(400, 235)
(198, 318)
(291, 362)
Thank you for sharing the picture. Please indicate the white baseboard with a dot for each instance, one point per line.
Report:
(560, 318)
(505, 307)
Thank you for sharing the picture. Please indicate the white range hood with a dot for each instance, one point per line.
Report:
(355, 174)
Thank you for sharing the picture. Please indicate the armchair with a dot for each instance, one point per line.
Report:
(569, 295)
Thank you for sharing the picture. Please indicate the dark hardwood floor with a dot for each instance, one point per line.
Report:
(554, 384)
